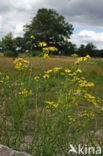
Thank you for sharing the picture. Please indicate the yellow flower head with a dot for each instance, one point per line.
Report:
(32, 37)
(36, 77)
(74, 55)
(42, 44)
(48, 71)
(46, 56)
(0, 73)
(79, 71)
(21, 63)
(46, 76)
(56, 69)
(70, 119)
(88, 56)
(7, 77)
(67, 70)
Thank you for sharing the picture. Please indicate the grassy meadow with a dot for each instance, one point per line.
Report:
(49, 104)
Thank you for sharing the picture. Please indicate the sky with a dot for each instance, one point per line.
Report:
(85, 15)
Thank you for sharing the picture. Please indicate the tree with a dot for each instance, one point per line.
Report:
(0, 46)
(8, 42)
(20, 44)
(9, 45)
(91, 49)
(48, 26)
(87, 49)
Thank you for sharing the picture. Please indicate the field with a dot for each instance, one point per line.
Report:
(50, 104)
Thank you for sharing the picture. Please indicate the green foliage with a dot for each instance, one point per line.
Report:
(20, 44)
(0, 46)
(11, 53)
(35, 53)
(50, 27)
(87, 49)
(8, 43)
(44, 115)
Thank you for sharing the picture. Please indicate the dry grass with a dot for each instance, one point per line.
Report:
(59, 61)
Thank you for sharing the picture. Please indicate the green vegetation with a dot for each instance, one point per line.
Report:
(44, 110)
(50, 27)
(49, 102)
(9, 46)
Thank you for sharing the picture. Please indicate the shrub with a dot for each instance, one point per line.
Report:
(10, 53)
(34, 53)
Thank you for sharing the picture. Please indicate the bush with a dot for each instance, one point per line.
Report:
(34, 53)
(11, 53)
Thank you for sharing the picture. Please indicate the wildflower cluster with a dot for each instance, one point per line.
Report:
(21, 64)
(51, 105)
(3, 78)
(46, 50)
(80, 91)
(25, 92)
(55, 106)
(86, 114)
(50, 49)
(92, 99)
(81, 59)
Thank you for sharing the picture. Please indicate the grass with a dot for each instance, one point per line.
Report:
(43, 116)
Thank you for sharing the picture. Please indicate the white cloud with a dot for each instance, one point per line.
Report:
(85, 36)
(19, 30)
(16, 13)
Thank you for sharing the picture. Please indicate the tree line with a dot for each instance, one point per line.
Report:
(50, 27)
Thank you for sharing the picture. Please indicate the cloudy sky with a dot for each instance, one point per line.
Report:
(86, 17)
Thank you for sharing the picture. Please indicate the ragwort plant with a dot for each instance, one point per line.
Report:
(42, 114)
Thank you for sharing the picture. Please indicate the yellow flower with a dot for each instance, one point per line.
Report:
(101, 109)
(36, 77)
(46, 56)
(53, 49)
(74, 55)
(46, 76)
(48, 71)
(0, 73)
(88, 56)
(72, 74)
(82, 59)
(90, 84)
(30, 92)
(51, 104)
(7, 77)
(47, 49)
(30, 69)
(42, 44)
(62, 73)
(21, 64)
(82, 83)
(79, 71)
(25, 92)
(55, 69)
(70, 119)
(67, 70)
(32, 37)
(92, 115)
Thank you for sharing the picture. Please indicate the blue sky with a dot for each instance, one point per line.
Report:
(78, 29)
